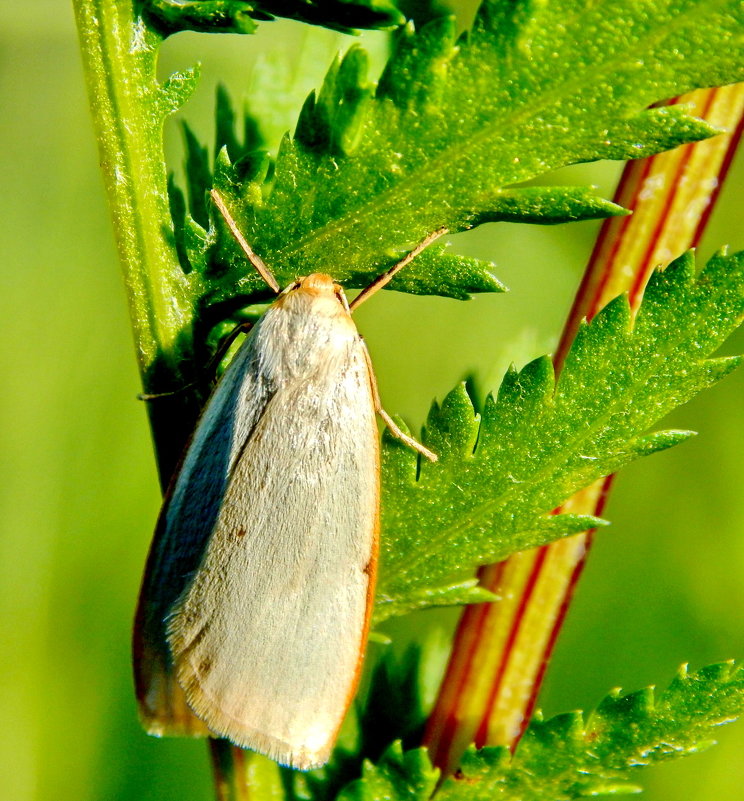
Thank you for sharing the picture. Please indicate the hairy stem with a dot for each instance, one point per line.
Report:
(119, 53)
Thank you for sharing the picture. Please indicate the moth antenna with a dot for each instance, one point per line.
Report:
(386, 277)
(252, 257)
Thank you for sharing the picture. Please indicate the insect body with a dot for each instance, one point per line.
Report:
(258, 589)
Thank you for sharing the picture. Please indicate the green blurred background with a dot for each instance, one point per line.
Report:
(78, 492)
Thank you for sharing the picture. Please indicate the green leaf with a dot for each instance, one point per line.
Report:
(498, 477)
(457, 125)
(569, 757)
(239, 16)
(438, 272)
(194, 235)
(398, 776)
(177, 89)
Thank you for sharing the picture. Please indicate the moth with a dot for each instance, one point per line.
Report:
(255, 605)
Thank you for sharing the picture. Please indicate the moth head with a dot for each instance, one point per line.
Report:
(320, 290)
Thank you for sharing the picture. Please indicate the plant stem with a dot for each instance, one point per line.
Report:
(501, 649)
(119, 54)
(241, 775)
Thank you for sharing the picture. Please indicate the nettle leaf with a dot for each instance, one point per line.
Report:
(537, 443)
(570, 756)
(457, 125)
(398, 776)
(240, 16)
(220, 270)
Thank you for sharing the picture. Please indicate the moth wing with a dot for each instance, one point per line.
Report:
(268, 639)
(182, 535)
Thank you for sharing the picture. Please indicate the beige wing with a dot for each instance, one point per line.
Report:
(182, 536)
(267, 641)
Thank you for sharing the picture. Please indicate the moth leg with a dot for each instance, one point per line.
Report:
(388, 420)
(210, 369)
(403, 437)
(221, 352)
